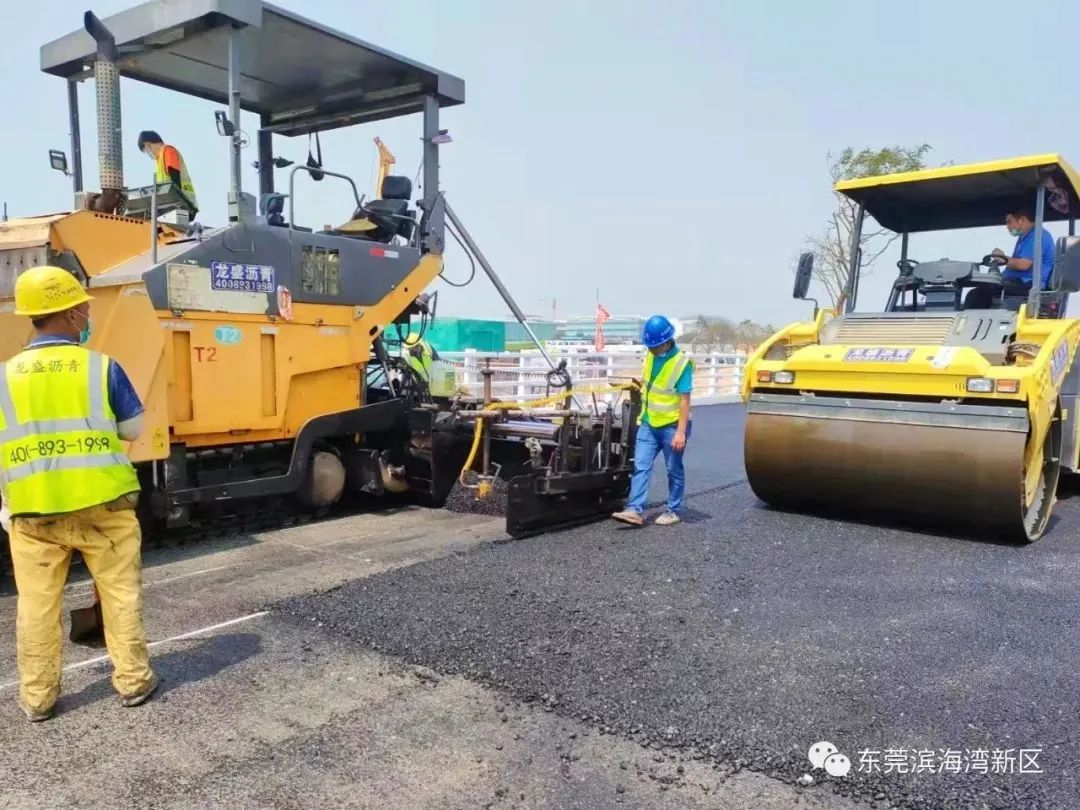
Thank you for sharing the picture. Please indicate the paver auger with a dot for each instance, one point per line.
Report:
(960, 418)
(263, 349)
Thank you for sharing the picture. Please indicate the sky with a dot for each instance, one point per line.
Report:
(671, 156)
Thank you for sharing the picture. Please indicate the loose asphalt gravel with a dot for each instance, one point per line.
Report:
(746, 635)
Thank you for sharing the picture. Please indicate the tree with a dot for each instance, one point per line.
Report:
(721, 335)
(832, 249)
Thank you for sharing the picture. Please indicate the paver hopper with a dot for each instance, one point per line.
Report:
(929, 411)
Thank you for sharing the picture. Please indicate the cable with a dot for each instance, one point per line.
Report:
(468, 255)
(558, 377)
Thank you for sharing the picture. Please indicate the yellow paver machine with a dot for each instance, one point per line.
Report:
(931, 411)
(263, 348)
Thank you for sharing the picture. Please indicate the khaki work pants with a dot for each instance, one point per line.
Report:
(109, 538)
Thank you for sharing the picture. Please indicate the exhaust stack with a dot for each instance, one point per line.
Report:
(110, 132)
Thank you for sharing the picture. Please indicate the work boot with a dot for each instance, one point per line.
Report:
(140, 698)
(669, 518)
(36, 716)
(630, 516)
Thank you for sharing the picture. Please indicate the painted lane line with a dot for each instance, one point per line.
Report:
(102, 658)
(87, 583)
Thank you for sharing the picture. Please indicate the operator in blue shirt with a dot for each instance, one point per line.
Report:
(1016, 273)
(664, 424)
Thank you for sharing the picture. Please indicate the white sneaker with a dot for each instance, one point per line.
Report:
(629, 516)
(667, 519)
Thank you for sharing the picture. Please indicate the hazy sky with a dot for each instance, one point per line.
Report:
(671, 153)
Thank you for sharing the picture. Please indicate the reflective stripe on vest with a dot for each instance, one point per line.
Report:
(162, 175)
(660, 403)
(68, 456)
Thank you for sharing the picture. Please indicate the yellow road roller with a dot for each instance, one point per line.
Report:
(955, 404)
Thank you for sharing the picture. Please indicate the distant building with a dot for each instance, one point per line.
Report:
(543, 329)
(462, 334)
(619, 330)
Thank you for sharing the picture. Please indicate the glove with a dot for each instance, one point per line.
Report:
(5, 517)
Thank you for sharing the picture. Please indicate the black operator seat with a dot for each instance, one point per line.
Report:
(391, 214)
(381, 220)
(1054, 302)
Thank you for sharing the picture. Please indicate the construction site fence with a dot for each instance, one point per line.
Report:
(523, 376)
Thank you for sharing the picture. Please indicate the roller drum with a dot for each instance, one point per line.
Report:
(958, 468)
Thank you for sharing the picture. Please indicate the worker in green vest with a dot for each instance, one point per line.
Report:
(664, 424)
(67, 484)
(170, 166)
(422, 356)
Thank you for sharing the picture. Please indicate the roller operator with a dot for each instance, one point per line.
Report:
(1016, 272)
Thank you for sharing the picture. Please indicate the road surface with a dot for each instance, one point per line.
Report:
(418, 659)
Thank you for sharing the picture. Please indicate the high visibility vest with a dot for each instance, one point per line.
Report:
(422, 364)
(441, 381)
(162, 175)
(59, 447)
(660, 400)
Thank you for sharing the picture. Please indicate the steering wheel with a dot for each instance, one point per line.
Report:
(907, 266)
(990, 260)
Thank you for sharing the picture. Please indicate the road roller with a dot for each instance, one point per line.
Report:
(266, 351)
(954, 406)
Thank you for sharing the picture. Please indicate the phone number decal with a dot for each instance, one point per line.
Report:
(49, 448)
(255, 278)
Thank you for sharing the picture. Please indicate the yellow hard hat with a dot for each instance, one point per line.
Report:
(44, 290)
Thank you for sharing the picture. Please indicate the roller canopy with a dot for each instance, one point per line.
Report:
(300, 75)
(972, 196)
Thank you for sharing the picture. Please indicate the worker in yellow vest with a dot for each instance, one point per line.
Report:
(67, 484)
(664, 424)
(421, 356)
(170, 166)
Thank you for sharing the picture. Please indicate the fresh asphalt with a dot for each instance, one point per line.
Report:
(744, 636)
(422, 659)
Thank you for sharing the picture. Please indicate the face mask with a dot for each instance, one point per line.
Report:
(1015, 232)
(84, 335)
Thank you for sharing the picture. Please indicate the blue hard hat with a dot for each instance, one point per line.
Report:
(658, 330)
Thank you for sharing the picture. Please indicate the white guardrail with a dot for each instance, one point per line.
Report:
(521, 376)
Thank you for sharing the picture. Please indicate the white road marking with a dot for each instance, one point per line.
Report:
(87, 583)
(101, 658)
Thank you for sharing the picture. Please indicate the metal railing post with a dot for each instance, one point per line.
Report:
(153, 222)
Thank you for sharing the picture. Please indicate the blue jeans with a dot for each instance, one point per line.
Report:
(650, 441)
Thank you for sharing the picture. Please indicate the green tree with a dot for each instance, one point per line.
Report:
(832, 248)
